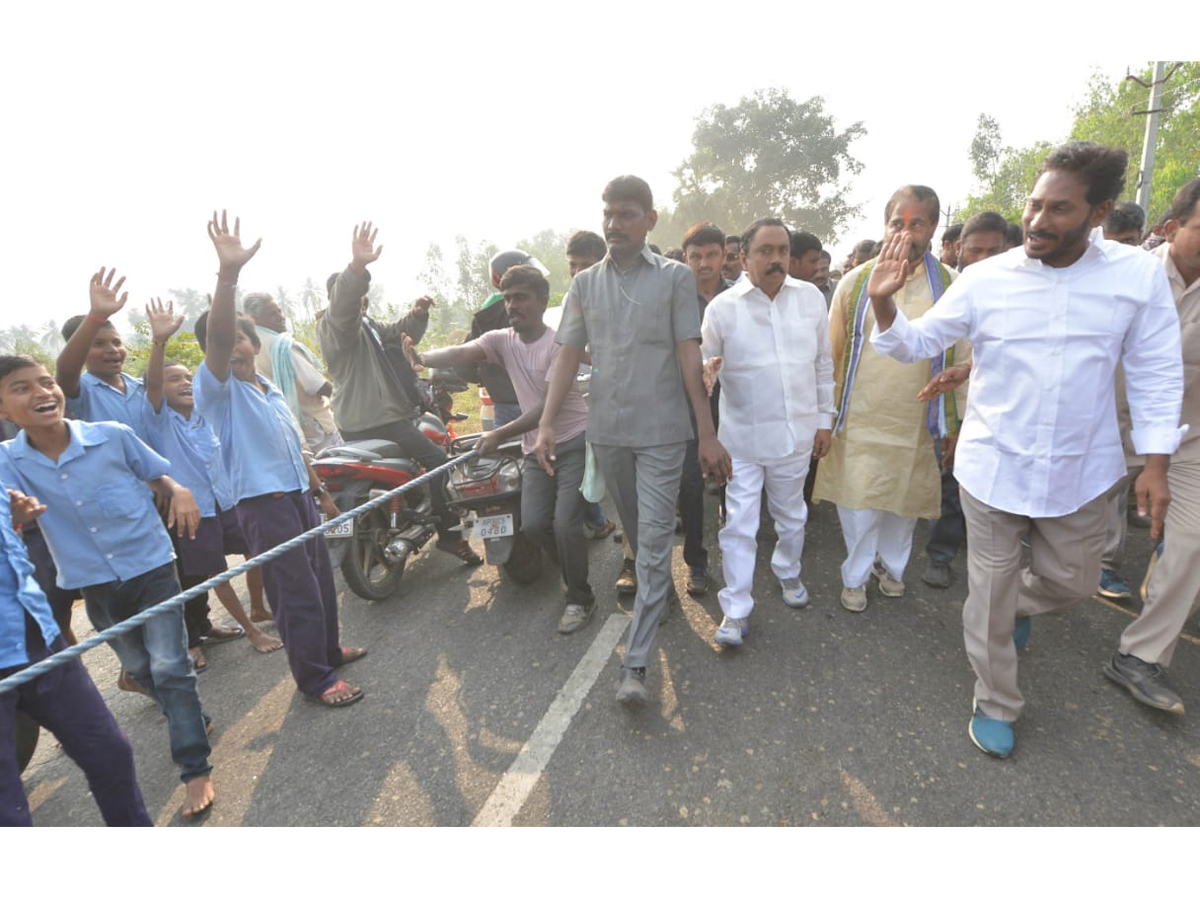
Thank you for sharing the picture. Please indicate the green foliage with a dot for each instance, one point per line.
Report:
(182, 347)
(550, 249)
(769, 155)
(1106, 114)
(26, 347)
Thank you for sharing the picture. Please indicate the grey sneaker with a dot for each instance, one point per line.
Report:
(795, 594)
(888, 586)
(574, 617)
(731, 631)
(632, 691)
(1146, 681)
(855, 599)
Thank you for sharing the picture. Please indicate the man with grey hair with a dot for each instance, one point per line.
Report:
(296, 370)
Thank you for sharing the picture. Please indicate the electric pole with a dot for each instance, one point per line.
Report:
(1146, 171)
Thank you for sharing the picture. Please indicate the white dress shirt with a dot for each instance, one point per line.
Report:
(1040, 434)
(777, 368)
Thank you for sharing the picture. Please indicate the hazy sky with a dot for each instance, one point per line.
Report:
(127, 124)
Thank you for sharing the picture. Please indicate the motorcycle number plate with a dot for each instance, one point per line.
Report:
(494, 526)
(344, 530)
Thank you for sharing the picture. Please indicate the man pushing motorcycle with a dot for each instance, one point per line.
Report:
(551, 505)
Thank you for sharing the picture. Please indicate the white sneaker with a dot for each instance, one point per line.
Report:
(795, 594)
(888, 586)
(732, 631)
(855, 599)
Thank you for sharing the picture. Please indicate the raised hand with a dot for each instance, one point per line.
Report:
(24, 508)
(422, 304)
(712, 366)
(163, 321)
(891, 268)
(103, 294)
(230, 252)
(363, 251)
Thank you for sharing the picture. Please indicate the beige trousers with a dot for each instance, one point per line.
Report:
(1174, 590)
(1064, 569)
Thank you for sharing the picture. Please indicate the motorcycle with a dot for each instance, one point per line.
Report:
(486, 492)
(374, 547)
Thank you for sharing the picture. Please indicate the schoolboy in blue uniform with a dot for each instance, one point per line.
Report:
(64, 700)
(104, 392)
(106, 538)
(182, 435)
(273, 486)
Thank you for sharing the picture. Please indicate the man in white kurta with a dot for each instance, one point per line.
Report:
(767, 337)
(1040, 451)
(882, 471)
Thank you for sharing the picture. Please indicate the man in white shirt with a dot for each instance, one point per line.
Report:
(767, 338)
(1173, 593)
(1039, 449)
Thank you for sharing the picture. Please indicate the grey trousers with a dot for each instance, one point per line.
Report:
(1174, 590)
(552, 514)
(644, 483)
(1064, 569)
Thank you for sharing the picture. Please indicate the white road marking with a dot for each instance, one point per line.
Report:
(522, 776)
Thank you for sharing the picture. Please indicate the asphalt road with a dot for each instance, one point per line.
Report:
(477, 711)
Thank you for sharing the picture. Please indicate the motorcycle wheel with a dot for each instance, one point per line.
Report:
(27, 740)
(367, 571)
(524, 564)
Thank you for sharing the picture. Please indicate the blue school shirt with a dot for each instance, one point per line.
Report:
(192, 449)
(100, 523)
(99, 401)
(19, 593)
(260, 444)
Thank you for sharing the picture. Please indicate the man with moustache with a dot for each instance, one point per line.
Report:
(767, 339)
(704, 252)
(732, 270)
(637, 313)
(821, 278)
(881, 470)
(1040, 449)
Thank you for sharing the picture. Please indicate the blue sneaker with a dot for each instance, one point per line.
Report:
(731, 631)
(1113, 586)
(1021, 631)
(993, 736)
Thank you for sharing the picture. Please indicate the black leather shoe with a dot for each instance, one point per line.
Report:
(937, 574)
(1146, 681)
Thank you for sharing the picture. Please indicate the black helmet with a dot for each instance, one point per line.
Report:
(506, 259)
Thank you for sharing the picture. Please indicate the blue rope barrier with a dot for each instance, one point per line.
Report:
(138, 619)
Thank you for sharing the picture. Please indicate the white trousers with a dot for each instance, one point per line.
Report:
(784, 480)
(871, 533)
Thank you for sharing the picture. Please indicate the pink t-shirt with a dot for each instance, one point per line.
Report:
(528, 367)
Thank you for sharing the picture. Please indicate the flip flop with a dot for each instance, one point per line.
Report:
(199, 663)
(340, 686)
(352, 654)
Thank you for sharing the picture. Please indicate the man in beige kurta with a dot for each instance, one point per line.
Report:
(881, 470)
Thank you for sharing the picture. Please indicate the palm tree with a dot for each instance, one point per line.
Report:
(51, 337)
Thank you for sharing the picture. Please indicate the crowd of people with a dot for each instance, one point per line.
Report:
(1011, 388)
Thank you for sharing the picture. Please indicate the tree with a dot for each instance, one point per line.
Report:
(51, 337)
(550, 249)
(769, 155)
(986, 148)
(474, 284)
(312, 299)
(1106, 114)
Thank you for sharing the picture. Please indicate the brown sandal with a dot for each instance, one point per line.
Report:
(340, 687)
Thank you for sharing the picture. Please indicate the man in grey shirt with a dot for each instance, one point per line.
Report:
(637, 312)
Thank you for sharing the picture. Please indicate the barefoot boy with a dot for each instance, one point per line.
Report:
(186, 440)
